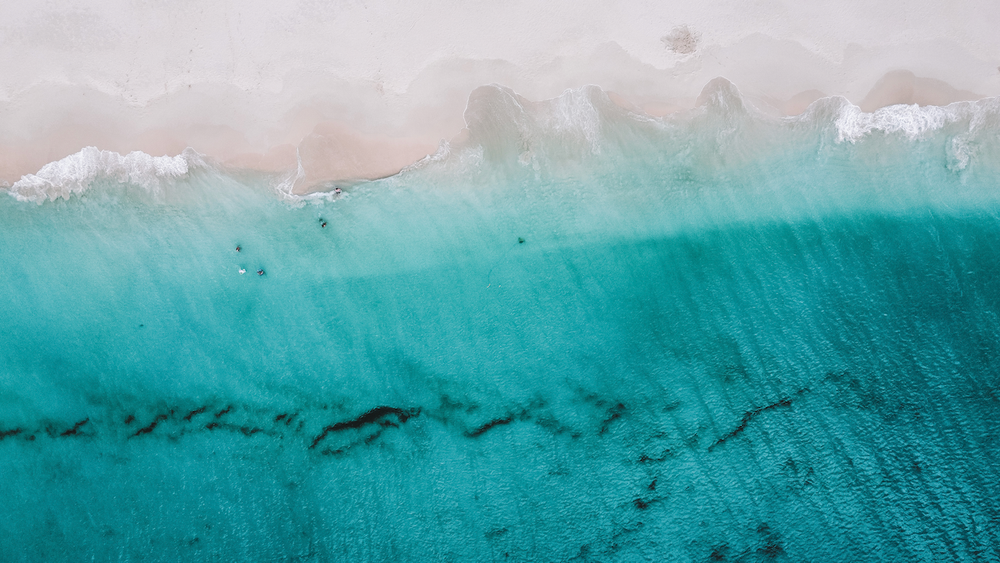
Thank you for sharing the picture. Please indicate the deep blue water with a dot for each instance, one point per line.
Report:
(676, 350)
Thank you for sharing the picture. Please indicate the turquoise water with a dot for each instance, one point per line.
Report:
(715, 340)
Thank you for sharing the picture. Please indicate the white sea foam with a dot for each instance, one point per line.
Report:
(913, 121)
(853, 124)
(75, 173)
(443, 152)
(285, 189)
(577, 112)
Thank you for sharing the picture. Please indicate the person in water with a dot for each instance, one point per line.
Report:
(242, 271)
(260, 272)
(237, 249)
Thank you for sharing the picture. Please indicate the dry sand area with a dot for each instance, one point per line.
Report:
(353, 90)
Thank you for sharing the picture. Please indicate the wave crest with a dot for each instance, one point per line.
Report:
(75, 173)
(913, 121)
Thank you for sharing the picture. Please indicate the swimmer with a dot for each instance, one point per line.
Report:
(260, 272)
(242, 271)
(237, 249)
(336, 190)
(324, 224)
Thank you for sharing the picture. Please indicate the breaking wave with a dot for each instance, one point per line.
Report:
(582, 127)
(77, 172)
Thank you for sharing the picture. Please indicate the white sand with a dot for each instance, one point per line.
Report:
(358, 90)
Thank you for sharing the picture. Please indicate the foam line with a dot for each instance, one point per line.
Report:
(75, 173)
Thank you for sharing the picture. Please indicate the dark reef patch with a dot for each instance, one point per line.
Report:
(375, 415)
(382, 427)
(194, 413)
(76, 428)
(614, 413)
(747, 417)
(245, 430)
(152, 425)
(477, 432)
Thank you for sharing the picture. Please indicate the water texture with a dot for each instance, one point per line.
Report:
(580, 336)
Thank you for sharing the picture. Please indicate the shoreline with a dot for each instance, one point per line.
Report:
(317, 151)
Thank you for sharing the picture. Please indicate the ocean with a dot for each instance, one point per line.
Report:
(580, 334)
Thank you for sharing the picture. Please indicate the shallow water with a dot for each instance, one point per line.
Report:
(698, 352)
